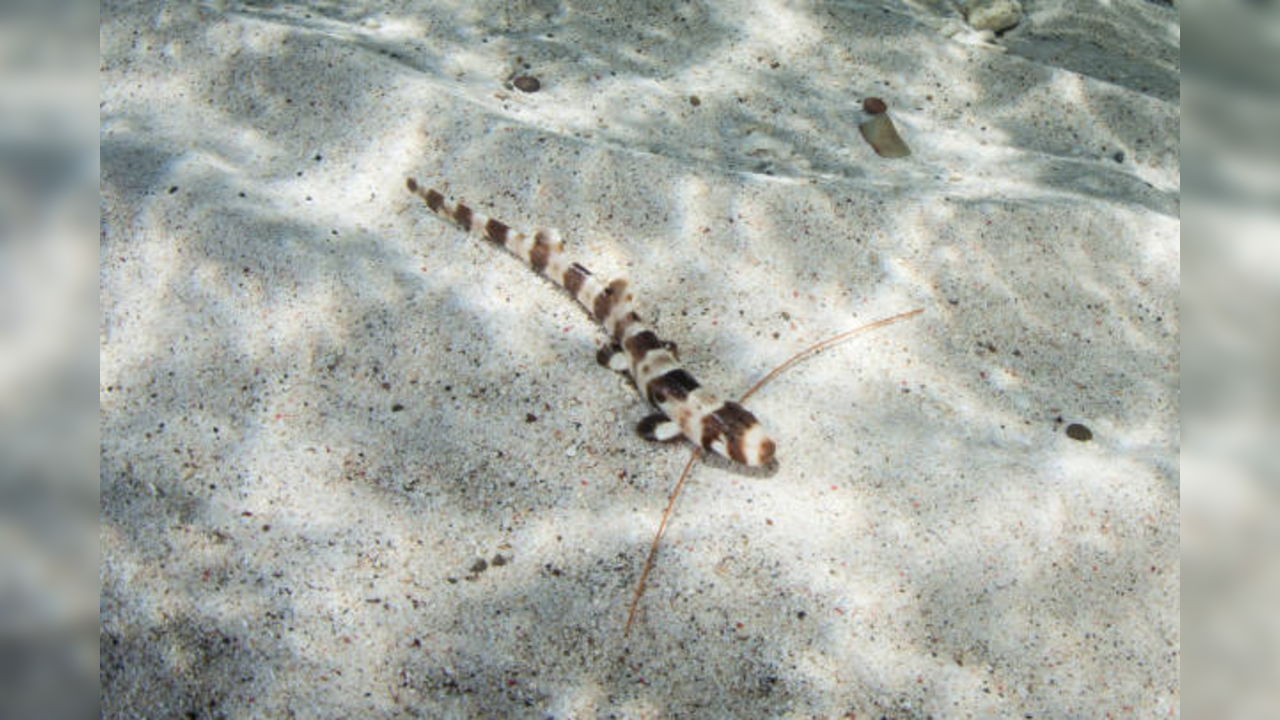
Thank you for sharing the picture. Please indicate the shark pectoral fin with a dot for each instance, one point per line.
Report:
(613, 357)
(658, 428)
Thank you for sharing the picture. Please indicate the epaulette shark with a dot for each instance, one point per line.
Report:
(685, 407)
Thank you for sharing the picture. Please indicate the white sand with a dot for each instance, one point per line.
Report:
(321, 406)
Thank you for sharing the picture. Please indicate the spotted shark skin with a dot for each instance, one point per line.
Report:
(685, 408)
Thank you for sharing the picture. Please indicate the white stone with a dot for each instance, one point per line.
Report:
(994, 15)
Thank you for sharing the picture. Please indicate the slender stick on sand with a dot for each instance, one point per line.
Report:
(675, 492)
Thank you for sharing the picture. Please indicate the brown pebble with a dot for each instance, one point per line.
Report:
(479, 566)
(527, 83)
(874, 106)
(694, 101)
(883, 137)
(1076, 431)
(499, 561)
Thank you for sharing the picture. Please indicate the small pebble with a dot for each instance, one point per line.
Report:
(694, 101)
(527, 83)
(1076, 431)
(874, 106)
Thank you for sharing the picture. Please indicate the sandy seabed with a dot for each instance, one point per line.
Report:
(357, 464)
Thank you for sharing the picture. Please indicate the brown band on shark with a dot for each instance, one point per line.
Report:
(610, 296)
(641, 343)
(574, 276)
(462, 215)
(496, 231)
(730, 421)
(540, 254)
(671, 386)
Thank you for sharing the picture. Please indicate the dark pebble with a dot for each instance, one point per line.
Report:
(694, 101)
(479, 566)
(1076, 431)
(527, 83)
(499, 561)
(874, 106)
